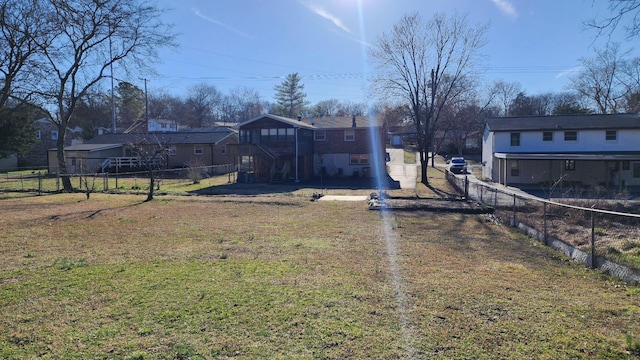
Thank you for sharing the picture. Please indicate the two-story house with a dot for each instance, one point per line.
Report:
(46, 138)
(579, 149)
(347, 145)
(274, 148)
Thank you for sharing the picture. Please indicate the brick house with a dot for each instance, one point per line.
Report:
(347, 146)
(203, 148)
(46, 136)
(273, 148)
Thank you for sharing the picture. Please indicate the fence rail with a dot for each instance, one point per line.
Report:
(42, 182)
(604, 234)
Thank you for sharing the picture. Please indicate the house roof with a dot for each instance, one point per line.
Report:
(568, 155)
(564, 122)
(293, 122)
(342, 122)
(170, 138)
(90, 147)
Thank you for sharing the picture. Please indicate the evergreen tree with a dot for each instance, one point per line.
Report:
(290, 97)
(17, 133)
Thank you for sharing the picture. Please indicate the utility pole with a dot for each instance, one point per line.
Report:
(146, 104)
(113, 103)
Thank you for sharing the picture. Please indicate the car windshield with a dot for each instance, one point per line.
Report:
(457, 161)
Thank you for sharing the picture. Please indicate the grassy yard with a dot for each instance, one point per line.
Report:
(279, 276)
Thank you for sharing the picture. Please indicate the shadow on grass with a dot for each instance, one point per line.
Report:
(290, 186)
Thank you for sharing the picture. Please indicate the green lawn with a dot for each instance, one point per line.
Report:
(279, 276)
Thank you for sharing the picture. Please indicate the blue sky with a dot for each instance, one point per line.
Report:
(256, 43)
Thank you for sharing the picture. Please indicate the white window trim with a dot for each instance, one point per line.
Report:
(198, 150)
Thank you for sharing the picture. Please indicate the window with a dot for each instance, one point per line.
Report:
(54, 134)
(273, 135)
(320, 135)
(282, 135)
(547, 136)
(245, 136)
(349, 135)
(320, 158)
(570, 135)
(172, 150)
(38, 135)
(163, 126)
(359, 159)
(264, 135)
(197, 149)
(569, 165)
(611, 135)
(515, 139)
(291, 135)
(224, 149)
(636, 170)
(515, 168)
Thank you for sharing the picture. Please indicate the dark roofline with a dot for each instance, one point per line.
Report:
(293, 122)
(563, 122)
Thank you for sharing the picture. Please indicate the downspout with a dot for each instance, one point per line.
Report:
(296, 159)
(211, 146)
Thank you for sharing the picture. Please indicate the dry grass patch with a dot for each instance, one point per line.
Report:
(283, 277)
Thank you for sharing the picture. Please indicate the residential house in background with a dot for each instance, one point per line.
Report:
(181, 149)
(47, 136)
(348, 145)
(274, 148)
(162, 125)
(582, 150)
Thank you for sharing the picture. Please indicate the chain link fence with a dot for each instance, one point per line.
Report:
(41, 181)
(602, 233)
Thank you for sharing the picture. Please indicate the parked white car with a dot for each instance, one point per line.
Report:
(458, 165)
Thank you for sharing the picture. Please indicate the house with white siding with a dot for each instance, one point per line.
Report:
(581, 150)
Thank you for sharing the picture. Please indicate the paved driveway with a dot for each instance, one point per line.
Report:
(406, 174)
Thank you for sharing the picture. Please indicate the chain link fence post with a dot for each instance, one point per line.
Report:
(593, 238)
(514, 210)
(544, 222)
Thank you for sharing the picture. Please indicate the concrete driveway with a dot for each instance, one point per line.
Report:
(405, 174)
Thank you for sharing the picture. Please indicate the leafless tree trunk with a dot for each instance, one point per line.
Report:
(423, 63)
(76, 43)
(600, 81)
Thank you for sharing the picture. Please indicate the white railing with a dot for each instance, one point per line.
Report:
(130, 162)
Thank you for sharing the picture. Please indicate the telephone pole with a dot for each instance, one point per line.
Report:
(146, 104)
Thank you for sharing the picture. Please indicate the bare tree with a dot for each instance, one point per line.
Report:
(348, 108)
(241, 104)
(166, 106)
(621, 10)
(325, 108)
(600, 81)
(19, 21)
(505, 93)
(203, 101)
(150, 151)
(78, 41)
(423, 63)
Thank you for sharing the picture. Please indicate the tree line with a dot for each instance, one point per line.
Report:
(55, 55)
(203, 106)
